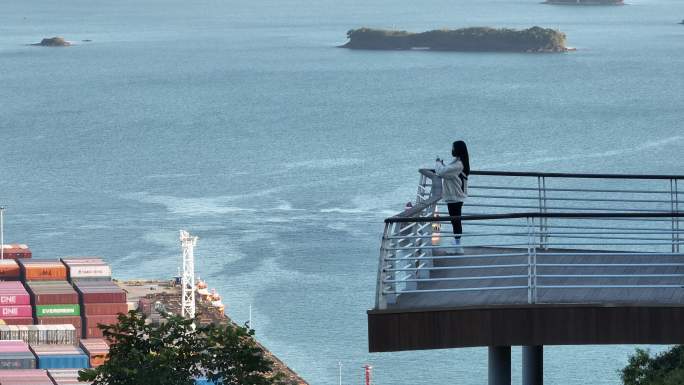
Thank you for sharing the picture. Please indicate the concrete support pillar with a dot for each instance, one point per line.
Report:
(499, 365)
(533, 365)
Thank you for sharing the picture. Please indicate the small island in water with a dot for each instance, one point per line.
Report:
(535, 39)
(53, 42)
(586, 2)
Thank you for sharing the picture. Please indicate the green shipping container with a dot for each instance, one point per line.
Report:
(58, 310)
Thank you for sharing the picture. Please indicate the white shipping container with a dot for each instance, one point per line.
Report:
(40, 334)
(86, 271)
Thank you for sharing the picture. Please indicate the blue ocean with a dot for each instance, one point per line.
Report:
(241, 122)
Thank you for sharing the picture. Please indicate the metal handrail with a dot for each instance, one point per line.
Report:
(408, 252)
(575, 175)
(533, 215)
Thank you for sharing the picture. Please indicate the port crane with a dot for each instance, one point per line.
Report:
(188, 243)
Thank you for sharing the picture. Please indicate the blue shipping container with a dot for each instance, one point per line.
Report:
(18, 360)
(203, 381)
(63, 361)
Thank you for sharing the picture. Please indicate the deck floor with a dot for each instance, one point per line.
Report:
(604, 296)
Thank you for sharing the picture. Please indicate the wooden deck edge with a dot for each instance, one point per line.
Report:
(581, 324)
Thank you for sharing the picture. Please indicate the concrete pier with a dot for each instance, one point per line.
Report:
(533, 365)
(499, 365)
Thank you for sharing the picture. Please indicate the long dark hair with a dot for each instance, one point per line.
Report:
(460, 150)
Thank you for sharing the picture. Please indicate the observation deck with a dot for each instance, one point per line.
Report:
(548, 259)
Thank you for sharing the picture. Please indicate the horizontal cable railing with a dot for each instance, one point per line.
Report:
(599, 250)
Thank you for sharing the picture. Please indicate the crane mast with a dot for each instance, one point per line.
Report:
(188, 243)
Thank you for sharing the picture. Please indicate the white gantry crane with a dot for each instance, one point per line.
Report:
(188, 243)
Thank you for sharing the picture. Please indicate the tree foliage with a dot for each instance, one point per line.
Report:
(175, 353)
(465, 39)
(666, 368)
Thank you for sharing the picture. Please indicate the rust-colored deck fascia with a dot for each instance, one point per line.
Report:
(396, 330)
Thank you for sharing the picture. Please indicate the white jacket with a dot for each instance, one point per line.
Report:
(454, 181)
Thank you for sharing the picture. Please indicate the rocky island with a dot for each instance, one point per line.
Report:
(477, 39)
(53, 42)
(586, 2)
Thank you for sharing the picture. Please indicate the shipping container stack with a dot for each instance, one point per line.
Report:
(25, 377)
(15, 354)
(59, 357)
(65, 377)
(15, 303)
(96, 349)
(54, 300)
(101, 302)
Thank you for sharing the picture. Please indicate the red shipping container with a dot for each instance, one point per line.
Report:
(100, 292)
(52, 293)
(76, 321)
(17, 321)
(19, 311)
(91, 330)
(16, 250)
(91, 309)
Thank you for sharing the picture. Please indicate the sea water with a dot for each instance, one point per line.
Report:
(241, 122)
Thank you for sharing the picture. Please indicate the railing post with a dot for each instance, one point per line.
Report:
(674, 207)
(380, 297)
(543, 222)
(413, 255)
(676, 191)
(530, 240)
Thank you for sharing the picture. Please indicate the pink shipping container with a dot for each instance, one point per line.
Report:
(20, 311)
(13, 293)
(13, 346)
(25, 377)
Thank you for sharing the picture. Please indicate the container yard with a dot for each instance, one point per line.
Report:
(50, 310)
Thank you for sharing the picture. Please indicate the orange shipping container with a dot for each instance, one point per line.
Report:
(97, 349)
(35, 270)
(9, 270)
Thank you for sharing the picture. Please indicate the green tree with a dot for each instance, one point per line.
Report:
(176, 352)
(666, 368)
(232, 357)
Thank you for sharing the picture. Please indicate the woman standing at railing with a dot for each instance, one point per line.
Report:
(455, 186)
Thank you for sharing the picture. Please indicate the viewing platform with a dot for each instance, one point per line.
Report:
(547, 259)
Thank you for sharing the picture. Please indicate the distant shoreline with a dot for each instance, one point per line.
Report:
(584, 2)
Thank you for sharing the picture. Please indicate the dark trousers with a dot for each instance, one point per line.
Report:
(455, 211)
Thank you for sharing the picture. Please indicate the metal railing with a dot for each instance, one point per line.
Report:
(563, 240)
